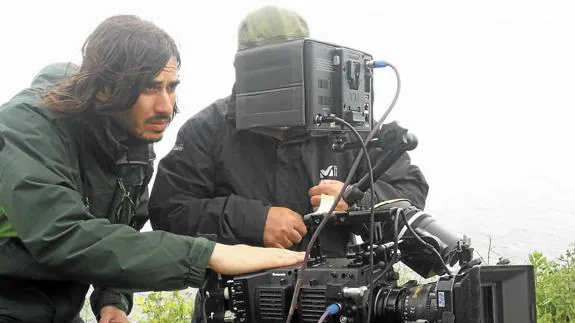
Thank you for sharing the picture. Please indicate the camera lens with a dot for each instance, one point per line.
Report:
(405, 304)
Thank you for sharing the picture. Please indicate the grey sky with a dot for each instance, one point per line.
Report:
(487, 88)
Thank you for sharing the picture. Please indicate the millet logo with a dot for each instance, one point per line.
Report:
(330, 171)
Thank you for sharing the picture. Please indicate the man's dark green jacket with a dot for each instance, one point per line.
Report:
(73, 196)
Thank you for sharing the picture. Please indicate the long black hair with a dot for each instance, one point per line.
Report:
(119, 58)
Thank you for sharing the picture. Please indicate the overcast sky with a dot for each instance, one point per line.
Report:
(488, 88)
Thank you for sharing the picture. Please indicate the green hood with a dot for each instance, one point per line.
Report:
(48, 76)
(53, 73)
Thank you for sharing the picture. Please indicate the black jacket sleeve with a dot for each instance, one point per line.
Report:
(402, 180)
(184, 200)
(101, 297)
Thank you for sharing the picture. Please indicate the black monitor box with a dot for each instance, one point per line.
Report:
(496, 294)
(288, 84)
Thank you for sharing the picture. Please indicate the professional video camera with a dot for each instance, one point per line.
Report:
(364, 285)
(348, 291)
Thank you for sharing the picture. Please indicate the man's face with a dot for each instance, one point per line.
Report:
(151, 114)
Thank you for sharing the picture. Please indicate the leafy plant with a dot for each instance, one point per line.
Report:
(160, 307)
(555, 287)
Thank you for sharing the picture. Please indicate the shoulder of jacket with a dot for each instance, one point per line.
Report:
(31, 129)
(27, 114)
(214, 115)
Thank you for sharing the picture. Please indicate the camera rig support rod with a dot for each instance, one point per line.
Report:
(394, 141)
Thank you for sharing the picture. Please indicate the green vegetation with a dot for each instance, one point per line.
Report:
(555, 287)
(156, 307)
(160, 307)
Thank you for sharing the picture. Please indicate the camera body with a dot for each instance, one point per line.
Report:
(475, 294)
(266, 296)
(485, 294)
(290, 84)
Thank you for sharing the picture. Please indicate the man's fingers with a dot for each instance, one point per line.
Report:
(341, 206)
(328, 188)
(287, 258)
(315, 200)
(238, 259)
(300, 227)
(329, 182)
(316, 190)
(294, 257)
(294, 236)
(281, 242)
(286, 242)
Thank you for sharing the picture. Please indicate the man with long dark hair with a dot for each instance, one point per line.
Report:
(75, 161)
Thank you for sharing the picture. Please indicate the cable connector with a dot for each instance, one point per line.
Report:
(377, 64)
(333, 309)
(319, 119)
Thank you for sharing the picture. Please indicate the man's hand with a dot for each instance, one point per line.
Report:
(112, 314)
(328, 187)
(242, 259)
(284, 228)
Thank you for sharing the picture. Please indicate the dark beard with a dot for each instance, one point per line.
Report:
(122, 121)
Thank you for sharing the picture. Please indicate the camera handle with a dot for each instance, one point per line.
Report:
(394, 140)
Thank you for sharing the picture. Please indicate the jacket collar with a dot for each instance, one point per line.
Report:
(111, 144)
